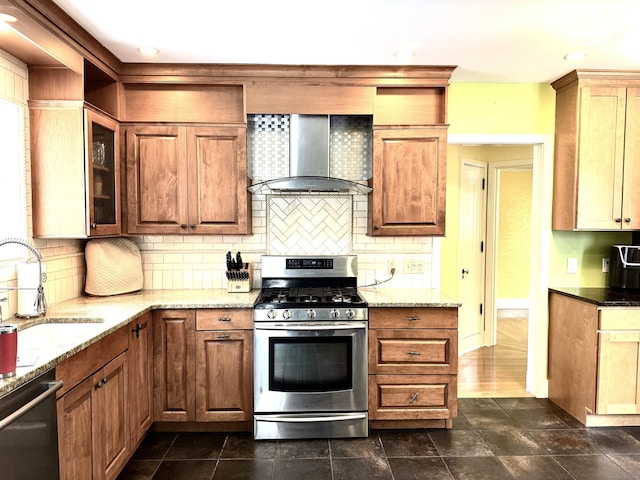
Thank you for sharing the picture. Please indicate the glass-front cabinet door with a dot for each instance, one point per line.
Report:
(103, 197)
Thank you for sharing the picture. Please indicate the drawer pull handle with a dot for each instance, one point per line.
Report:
(224, 319)
(413, 398)
(414, 353)
(224, 335)
(414, 319)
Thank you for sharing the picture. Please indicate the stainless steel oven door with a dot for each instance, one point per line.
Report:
(318, 366)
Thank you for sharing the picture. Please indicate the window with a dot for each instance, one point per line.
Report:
(13, 177)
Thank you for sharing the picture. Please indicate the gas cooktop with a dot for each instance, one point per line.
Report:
(300, 297)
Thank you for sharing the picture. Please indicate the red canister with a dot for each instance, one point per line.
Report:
(8, 350)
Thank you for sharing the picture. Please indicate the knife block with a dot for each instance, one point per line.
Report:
(241, 286)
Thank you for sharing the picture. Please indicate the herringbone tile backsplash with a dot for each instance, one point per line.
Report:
(317, 224)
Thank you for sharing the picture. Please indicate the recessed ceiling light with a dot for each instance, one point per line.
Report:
(148, 50)
(573, 56)
(6, 18)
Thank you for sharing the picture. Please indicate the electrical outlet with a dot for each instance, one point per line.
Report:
(572, 265)
(605, 265)
(414, 266)
(391, 265)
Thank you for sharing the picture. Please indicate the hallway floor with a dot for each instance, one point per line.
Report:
(500, 438)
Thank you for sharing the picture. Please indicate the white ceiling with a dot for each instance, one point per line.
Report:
(519, 41)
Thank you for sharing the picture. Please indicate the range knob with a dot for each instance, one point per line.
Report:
(311, 313)
(286, 314)
(271, 314)
(334, 313)
(350, 313)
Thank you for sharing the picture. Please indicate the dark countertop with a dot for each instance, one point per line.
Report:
(601, 296)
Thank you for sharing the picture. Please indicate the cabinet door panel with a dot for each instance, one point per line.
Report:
(75, 441)
(110, 419)
(409, 175)
(140, 378)
(631, 192)
(156, 180)
(224, 376)
(218, 196)
(618, 373)
(601, 154)
(174, 365)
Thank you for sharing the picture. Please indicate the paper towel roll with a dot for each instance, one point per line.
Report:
(28, 280)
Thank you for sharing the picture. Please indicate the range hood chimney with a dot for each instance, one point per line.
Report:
(309, 161)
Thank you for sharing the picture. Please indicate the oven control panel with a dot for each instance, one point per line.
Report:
(309, 263)
(302, 314)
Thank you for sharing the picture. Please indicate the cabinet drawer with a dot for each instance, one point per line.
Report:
(76, 368)
(224, 319)
(413, 317)
(619, 319)
(413, 351)
(412, 397)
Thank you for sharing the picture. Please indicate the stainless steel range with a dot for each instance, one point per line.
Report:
(310, 349)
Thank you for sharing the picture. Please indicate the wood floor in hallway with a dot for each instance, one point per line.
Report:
(498, 371)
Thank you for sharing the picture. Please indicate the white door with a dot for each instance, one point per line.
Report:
(471, 255)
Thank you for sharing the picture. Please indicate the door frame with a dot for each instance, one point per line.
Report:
(541, 198)
(493, 212)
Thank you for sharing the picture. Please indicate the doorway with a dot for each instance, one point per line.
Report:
(493, 341)
(539, 239)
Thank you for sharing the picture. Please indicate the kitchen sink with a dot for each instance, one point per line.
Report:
(49, 335)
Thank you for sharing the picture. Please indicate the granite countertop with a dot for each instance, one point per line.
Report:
(96, 317)
(407, 297)
(601, 296)
(89, 319)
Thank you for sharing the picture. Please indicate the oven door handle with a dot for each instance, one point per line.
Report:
(52, 387)
(312, 419)
(310, 326)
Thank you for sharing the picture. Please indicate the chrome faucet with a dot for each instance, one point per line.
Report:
(40, 303)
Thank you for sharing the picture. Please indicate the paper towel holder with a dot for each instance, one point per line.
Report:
(40, 301)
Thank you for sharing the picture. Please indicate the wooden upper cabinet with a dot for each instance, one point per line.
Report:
(187, 180)
(597, 162)
(182, 103)
(76, 191)
(409, 182)
(410, 106)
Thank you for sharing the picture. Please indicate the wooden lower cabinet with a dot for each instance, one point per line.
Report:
(174, 365)
(413, 366)
(93, 424)
(224, 376)
(203, 366)
(140, 378)
(594, 361)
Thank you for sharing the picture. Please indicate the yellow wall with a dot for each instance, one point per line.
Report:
(514, 234)
(526, 109)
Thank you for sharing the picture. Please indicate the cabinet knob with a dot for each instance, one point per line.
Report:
(627, 220)
(183, 225)
(192, 225)
(94, 225)
(618, 220)
(376, 227)
(414, 319)
(413, 398)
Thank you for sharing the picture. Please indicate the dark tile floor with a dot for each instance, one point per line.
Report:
(522, 438)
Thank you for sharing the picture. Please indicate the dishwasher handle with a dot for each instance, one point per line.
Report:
(52, 387)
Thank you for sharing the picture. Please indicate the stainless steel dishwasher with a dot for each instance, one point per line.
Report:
(28, 431)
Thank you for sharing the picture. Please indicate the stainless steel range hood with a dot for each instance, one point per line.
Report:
(309, 162)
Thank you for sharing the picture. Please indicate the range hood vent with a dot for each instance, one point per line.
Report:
(309, 162)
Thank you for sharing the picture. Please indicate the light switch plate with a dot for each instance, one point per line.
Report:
(572, 265)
